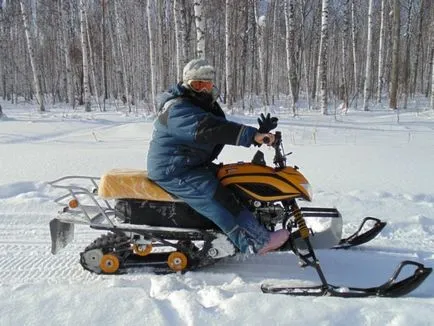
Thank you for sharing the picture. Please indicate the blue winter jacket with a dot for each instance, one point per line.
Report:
(189, 132)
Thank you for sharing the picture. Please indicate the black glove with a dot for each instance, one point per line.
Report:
(267, 123)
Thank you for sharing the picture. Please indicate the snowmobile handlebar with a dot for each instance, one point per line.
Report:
(279, 156)
(279, 159)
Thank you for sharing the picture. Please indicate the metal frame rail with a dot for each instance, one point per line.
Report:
(75, 191)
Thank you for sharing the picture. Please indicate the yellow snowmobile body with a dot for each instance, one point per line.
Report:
(260, 183)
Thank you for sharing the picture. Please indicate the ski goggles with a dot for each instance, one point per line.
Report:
(201, 85)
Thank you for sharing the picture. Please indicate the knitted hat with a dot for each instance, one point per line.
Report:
(198, 69)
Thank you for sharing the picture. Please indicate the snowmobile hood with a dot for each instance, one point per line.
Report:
(264, 183)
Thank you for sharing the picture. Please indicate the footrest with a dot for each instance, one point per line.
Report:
(319, 212)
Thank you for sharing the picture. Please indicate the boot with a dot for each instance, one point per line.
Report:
(277, 239)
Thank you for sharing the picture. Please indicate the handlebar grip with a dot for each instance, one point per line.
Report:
(266, 140)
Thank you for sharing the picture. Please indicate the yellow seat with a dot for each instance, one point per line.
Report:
(129, 183)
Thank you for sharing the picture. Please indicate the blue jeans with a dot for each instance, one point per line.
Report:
(201, 189)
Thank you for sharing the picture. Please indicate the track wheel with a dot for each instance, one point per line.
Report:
(177, 261)
(142, 250)
(109, 264)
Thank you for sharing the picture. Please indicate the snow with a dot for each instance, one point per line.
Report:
(363, 163)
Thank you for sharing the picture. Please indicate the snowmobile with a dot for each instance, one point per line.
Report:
(149, 227)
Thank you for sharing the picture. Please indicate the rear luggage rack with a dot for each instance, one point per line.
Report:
(96, 212)
(81, 205)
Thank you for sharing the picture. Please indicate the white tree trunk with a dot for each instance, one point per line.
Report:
(85, 55)
(261, 23)
(407, 54)
(162, 40)
(305, 56)
(244, 56)
(92, 67)
(274, 66)
(184, 33)
(117, 75)
(432, 65)
(228, 55)
(418, 46)
(200, 28)
(178, 39)
(122, 56)
(2, 54)
(381, 54)
(345, 38)
(35, 70)
(290, 53)
(432, 82)
(323, 62)
(103, 54)
(354, 36)
(64, 6)
(149, 14)
(393, 102)
(367, 86)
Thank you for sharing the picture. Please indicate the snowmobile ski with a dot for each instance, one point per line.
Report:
(307, 256)
(331, 237)
(358, 238)
(391, 288)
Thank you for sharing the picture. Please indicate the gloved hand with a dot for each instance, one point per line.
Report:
(267, 123)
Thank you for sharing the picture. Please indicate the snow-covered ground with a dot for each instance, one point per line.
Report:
(363, 163)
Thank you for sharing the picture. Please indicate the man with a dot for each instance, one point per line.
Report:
(189, 133)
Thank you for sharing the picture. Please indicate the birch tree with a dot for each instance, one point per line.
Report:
(314, 49)
(290, 54)
(252, 51)
(305, 56)
(430, 65)
(407, 54)
(179, 39)
(323, 58)
(261, 22)
(83, 31)
(103, 53)
(273, 84)
(393, 102)
(151, 54)
(200, 28)
(432, 61)
(2, 53)
(64, 14)
(354, 46)
(367, 83)
(163, 39)
(418, 46)
(244, 54)
(432, 80)
(228, 55)
(345, 37)
(123, 57)
(380, 53)
(30, 49)
(92, 66)
(185, 33)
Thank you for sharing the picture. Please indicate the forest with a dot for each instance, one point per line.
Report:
(314, 53)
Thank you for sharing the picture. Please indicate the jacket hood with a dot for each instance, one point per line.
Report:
(173, 92)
